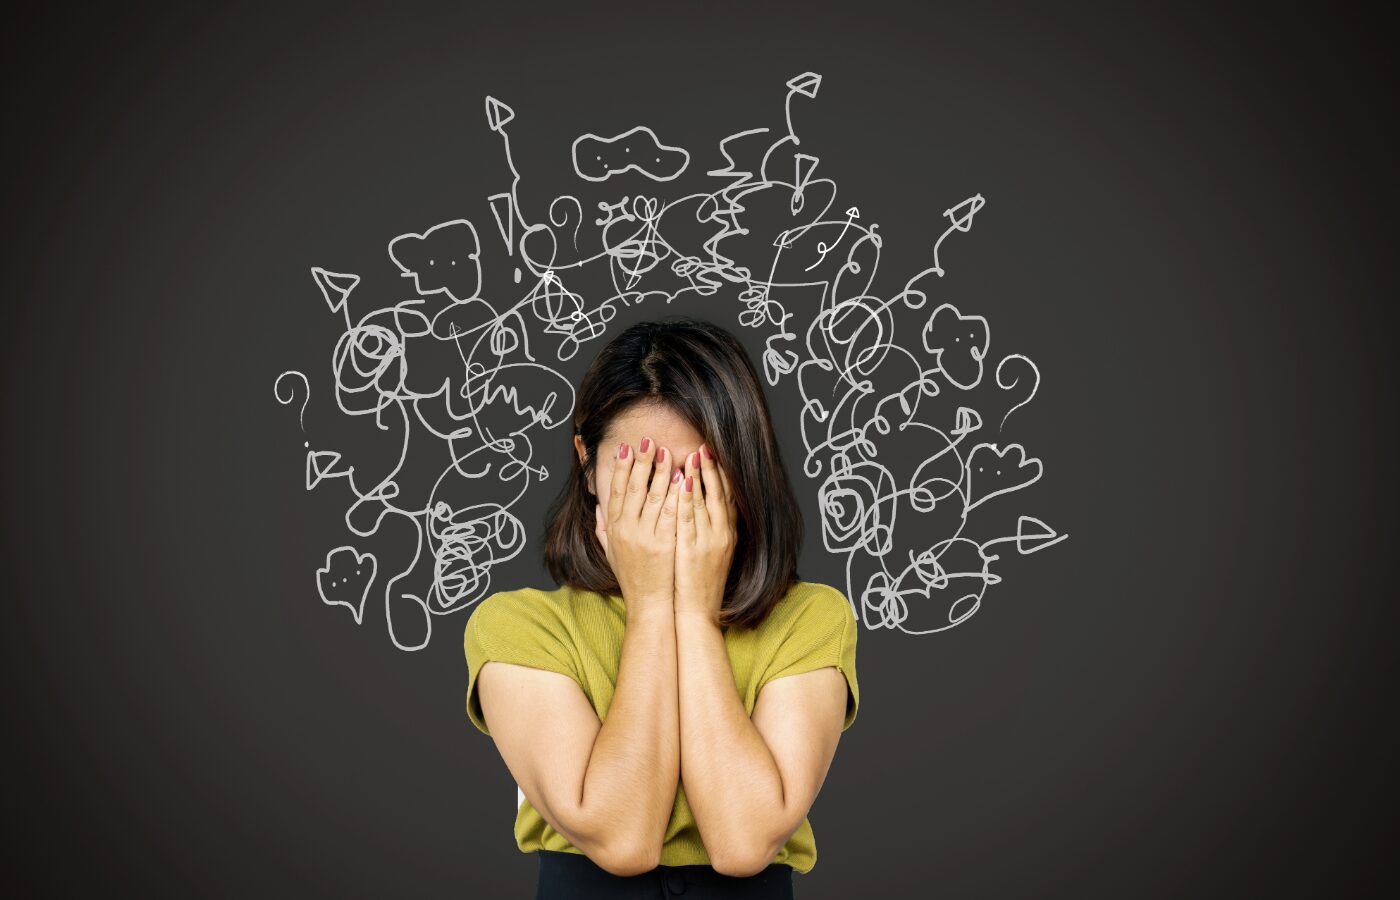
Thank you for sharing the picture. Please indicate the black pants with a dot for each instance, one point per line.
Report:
(573, 876)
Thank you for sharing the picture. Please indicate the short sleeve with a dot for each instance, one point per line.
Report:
(516, 627)
(823, 634)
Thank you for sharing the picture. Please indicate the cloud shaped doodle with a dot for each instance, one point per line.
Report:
(901, 434)
(443, 259)
(598, 158)
(958, 342)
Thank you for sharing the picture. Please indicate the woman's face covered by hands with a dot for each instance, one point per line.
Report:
(651, 420)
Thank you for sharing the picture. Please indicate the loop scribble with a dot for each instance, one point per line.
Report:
(884, 390)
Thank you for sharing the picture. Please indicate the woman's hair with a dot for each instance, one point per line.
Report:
(701, 372)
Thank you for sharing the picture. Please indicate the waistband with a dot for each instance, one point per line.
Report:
(575, 876)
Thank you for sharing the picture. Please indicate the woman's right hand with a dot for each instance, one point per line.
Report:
(638, 527)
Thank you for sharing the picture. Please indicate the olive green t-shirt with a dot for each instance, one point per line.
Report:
(579, 634)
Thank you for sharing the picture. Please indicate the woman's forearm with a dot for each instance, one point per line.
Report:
(731, 780)
(629, 787)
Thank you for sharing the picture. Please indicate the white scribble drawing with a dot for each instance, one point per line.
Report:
(444, 259)
(335, 286)
(291, 394)
(886, 391)
(638, 149)
(345, 580)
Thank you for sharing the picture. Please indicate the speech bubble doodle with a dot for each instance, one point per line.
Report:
(445, 259)
(638, 149)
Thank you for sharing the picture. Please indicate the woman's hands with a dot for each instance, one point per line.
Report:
(638, 528)
(707, 532)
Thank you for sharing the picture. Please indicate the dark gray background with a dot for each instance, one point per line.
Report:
(1185, 221)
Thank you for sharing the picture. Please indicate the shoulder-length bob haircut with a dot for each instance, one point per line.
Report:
(702, 373)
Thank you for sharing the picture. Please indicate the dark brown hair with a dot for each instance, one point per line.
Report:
(702, 373)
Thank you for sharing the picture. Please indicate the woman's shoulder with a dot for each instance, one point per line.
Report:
(815, 594)
(525, 596)
(808, 603)
(520, 607)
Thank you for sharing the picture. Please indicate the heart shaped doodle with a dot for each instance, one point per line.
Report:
(990, 470)
(346, 578)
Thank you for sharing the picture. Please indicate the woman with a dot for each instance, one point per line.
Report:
(671, 711)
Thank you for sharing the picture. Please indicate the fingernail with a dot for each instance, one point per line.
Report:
(690, 484)
(663, 454)
(695, 460)
(675, 476)
(622, 450)
(646, 443)
(708, 454)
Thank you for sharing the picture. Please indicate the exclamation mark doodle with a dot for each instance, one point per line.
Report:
(498, 115)
(503, 208)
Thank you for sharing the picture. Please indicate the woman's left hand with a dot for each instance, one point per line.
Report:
(706, 534)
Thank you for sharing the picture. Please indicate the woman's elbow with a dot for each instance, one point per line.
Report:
(745, 861)
(738, 867)
(628, 858)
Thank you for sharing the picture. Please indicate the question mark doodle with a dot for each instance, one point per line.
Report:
(277, 392)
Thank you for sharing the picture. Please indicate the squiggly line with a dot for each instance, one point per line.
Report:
(884, 390)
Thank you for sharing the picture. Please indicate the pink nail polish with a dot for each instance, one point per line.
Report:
(663, 454)
(695, 460)
(622, 451)
(646, 443)
(708, 454)
(690, 484)
(675, 476)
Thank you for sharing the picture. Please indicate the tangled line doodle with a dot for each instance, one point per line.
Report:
(877, 381)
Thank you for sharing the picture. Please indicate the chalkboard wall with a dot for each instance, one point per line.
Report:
(1183, 224)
